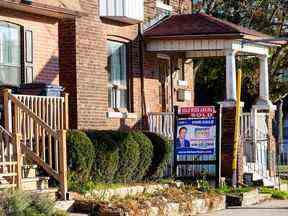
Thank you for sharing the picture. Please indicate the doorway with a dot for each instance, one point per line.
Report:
(163, 67)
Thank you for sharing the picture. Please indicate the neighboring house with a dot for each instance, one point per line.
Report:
(101, 65)
(29, 50)
(33, 126)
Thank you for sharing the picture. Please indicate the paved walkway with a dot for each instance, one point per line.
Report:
(269, 208)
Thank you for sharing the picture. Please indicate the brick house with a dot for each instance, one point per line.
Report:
(29, 52)
(32, 33)
(115, 77)
(93, 46)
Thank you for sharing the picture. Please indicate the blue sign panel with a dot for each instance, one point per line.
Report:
(196, 136)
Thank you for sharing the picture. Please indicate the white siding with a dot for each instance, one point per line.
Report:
(128, 11)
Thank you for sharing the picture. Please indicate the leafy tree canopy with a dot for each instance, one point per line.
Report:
(267, 16)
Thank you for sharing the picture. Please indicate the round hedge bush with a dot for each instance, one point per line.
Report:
(81, 154)
(145, 154)
(106, 159)
(161, 155)
(129, 156)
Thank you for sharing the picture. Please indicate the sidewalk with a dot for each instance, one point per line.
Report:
(269, 208)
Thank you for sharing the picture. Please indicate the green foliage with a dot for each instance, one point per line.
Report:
(230, 190)
(282, 195)
(81, 154)
(25, 204)
(266, 16)
(146, 154)
(119, 157)
(276, 194)
(128, 150)
(161, 154)
(106, 160)
(129, 156)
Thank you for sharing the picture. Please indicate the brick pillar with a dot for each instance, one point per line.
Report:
(228, 114)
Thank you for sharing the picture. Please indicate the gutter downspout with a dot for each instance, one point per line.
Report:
(141, 65)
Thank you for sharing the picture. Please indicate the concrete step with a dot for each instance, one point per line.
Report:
(29, 171)
(36, 183)
(51, 193)
(28, 184)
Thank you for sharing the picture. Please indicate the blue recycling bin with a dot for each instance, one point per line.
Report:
(41, 89)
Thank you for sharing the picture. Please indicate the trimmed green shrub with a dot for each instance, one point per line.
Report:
(106, 160)
(129, 156)
(146, 154)
(81, 155)
(128, 153)
(161, 154)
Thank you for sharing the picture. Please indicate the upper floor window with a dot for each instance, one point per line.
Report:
(166, 1)
(117, 75)
(10, 54)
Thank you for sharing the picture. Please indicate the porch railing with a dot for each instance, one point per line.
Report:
(162, 123)
(41, 124)
(10, 171)
(254, 137)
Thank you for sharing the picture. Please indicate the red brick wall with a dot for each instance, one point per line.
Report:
(87, 80)
(45, 43)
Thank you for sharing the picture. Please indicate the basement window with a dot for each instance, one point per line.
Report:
(117, 76)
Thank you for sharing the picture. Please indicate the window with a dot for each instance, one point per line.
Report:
(181, 69)
(117, 75)
(10, 54)
(166, 2)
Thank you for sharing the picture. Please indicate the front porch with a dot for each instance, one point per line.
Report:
(33, 132)
(223, 39)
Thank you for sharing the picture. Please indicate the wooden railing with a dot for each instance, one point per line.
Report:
(52, 110)
(41, 122)
(10, 171)
(162, 123)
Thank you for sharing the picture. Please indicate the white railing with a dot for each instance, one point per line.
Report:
(128, 11)
(162, 123)
(245, 125)
(254, 137)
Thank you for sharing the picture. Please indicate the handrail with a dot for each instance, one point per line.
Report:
(44, 144)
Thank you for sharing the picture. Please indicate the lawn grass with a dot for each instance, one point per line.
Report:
(275, 194)
(283, 168)
(229, 190)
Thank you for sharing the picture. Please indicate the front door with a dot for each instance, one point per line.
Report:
(164, 84)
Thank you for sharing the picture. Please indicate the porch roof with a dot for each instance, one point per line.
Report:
(201, 25)
(52, 8)
(201, 35)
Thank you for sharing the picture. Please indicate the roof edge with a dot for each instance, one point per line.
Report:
(204, 36)
(42, 9)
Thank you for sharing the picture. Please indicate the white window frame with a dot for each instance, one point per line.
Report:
(16, 66)
(116, 86)
(160, 4)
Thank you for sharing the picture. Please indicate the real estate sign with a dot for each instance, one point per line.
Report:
(196, 143)
(196, 132)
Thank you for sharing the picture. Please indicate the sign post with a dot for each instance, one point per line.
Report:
(196, 147)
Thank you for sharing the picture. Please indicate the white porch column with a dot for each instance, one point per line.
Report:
(230, 75)
(264, 78)
(264, 100)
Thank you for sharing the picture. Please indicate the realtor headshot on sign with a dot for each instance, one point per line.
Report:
(181, 141)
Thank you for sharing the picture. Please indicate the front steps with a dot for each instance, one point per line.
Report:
(32, 182)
